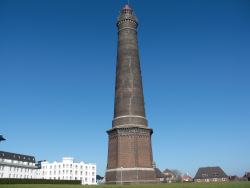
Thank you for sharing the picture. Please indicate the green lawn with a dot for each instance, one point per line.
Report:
(241, 184)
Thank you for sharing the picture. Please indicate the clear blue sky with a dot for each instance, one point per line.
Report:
(57, 80)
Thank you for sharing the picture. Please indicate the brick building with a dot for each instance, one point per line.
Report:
(170, 177)
(129, 150)
(210, 174)
(186, 178)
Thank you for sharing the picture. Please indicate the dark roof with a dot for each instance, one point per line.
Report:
(98, 177)
(158, 173)
(210, 172)
(17, 157)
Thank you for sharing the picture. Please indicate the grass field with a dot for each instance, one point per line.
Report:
(241, 184)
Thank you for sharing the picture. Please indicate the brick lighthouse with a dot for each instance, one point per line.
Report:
(129, 150)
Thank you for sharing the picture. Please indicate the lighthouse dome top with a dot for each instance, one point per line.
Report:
(126, 13)
(127, 10)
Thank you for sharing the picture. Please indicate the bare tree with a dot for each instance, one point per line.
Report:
(178, 175)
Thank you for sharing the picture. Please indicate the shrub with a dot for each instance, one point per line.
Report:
(37, 181)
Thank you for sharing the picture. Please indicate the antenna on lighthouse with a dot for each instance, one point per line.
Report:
(128, 2)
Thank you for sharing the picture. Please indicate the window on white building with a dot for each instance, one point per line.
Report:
(93, 173)
(93, 168)
(93, 180)
(86, 179)
(86, 173)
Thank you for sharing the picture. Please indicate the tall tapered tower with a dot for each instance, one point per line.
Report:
(130, 150)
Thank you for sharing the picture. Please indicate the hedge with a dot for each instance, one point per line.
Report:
(37, 181)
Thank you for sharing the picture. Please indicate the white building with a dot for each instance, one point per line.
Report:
(14, 165)
(68, 170)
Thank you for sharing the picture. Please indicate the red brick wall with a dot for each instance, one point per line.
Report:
(130, 148)
(127, 150)
(144, 151)
(112, 153)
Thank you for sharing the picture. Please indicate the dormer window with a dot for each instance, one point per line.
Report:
(216, 174)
